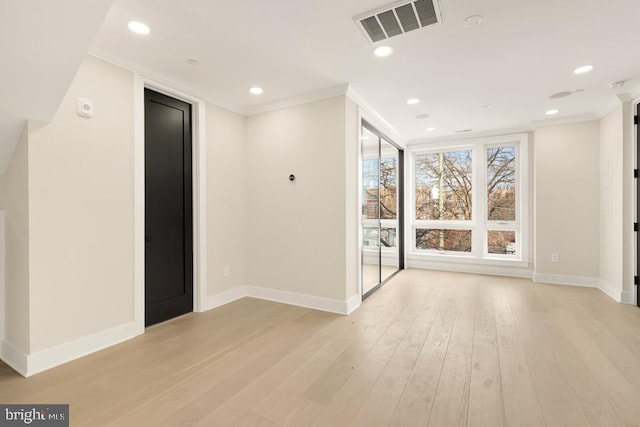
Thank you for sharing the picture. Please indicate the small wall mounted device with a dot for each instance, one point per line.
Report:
(85, 107)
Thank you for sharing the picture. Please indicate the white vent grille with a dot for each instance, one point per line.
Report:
(401, 18)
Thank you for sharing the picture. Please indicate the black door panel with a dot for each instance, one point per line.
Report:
(168, 208)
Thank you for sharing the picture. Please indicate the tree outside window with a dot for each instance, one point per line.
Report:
(443, 192)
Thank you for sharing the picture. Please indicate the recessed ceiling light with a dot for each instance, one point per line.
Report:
(618, 84)
(552, 112)
(422, 116)
(583, 70)
(256, 90)
(430, 129)
(413, 101)
(192, 62)
(471, 21)
(138, 27)
(463, 130)
(382, 51)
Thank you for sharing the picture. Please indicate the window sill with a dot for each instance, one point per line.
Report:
(470, 264)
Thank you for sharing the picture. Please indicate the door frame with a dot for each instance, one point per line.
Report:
(198, 153)
(635, 155)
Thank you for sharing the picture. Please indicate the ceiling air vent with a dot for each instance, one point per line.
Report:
(401, 18)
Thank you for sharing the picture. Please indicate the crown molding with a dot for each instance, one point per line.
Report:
(305, 98)
(634, 93)
(371, 115)
(472, 135)
(618, 99)
(198, 92)
(613, 103)
(194, 91)
(565, 120)
(367, 111)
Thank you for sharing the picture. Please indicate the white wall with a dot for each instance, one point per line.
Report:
(628, 201)
(611, 203)
(2, 257)
(70, 273)
(352, 207)
(3, 193)
(567, 203)
(3, 309)
(296, 230)
(17, 249)
(226, 199)
(81, 211)
(77, 292)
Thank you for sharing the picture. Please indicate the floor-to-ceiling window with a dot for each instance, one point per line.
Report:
(381, 195)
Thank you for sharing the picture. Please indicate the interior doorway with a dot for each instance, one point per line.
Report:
(168, 208)
(637, 234)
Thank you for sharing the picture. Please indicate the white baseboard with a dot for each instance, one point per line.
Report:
(586, 282)
(14, 357)
(225, 297)
(614, 293)
(301, 300)
(628, 297)
(561, 279)
(493, 270)
(353, 303)
(63, 353)
(268, 294)
(31, 364)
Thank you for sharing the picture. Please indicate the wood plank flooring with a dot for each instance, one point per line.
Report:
(428, 349)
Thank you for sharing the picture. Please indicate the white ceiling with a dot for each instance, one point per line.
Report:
(523, 52)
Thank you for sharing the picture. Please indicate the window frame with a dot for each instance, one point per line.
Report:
(479, 225)
(502, 225)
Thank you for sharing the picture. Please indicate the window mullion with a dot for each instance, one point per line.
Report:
(479, 192)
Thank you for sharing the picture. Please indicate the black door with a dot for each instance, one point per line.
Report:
(168, 208)
(637, 204)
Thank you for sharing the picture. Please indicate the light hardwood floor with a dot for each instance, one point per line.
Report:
(429, 348)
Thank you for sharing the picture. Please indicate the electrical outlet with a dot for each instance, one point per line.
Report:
(555, 258)
(227, 270)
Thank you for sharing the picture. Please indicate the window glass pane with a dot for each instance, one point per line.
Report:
(370, 237)
(502, 242)
(388, 188)
(370, 203)
(388, 237)
(448, 240)
(443, 185)
(501, 183)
